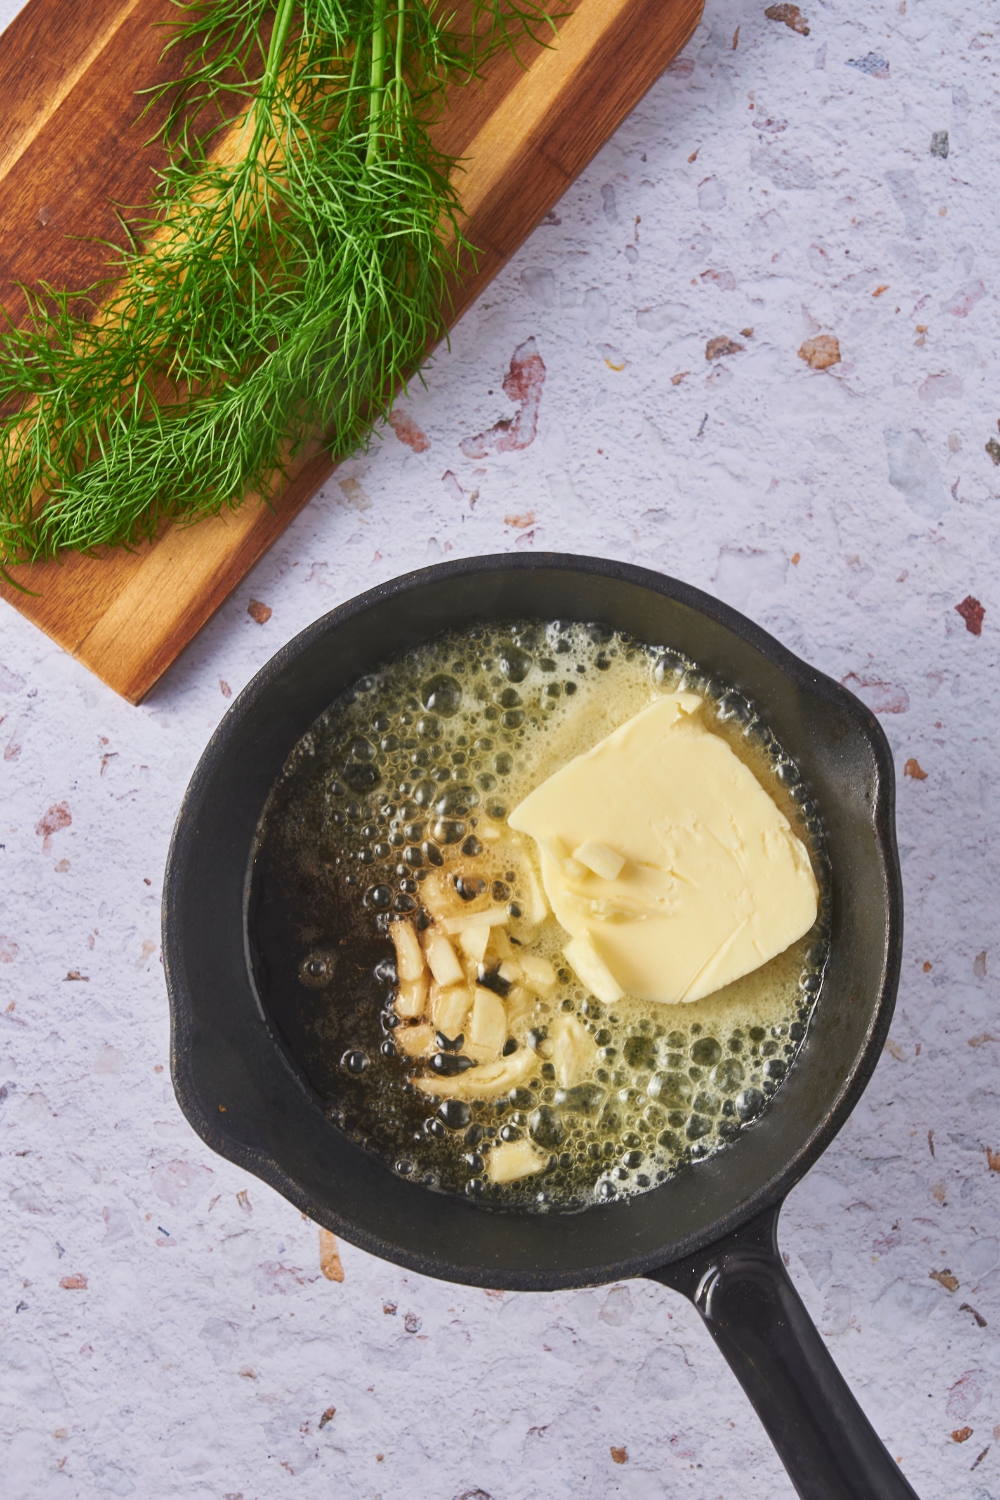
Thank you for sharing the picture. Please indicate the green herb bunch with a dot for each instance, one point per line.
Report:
(292, 272)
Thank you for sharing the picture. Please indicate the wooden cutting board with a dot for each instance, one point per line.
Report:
(70, 150)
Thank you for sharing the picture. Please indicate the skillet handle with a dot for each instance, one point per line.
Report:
(757, 1318)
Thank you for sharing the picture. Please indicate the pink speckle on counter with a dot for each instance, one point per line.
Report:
(821, 352)
(407, 430)
(881, 697)
(523, 385)
(961, 303)
(973, 613)
(180, 1182)
(966, 1394)
(452, 486)
(720, 346)
(258, 612)
(790, 15)
(57, 817)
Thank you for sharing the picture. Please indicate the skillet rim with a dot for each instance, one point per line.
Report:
(212, 1127)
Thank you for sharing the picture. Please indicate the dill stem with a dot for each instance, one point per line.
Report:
(377, 79)
(400, 31)
(275, 52)
(355, 69)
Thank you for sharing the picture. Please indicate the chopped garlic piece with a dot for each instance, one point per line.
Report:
(538, 972)
(574, 1051)
(500, 944)
(415, 1041)
(472, 939)
(411, 1001)
(409, 957)
(487, 1026)
(510, 970)
(452, 912)
(588, 965)
(488, 1082)
(554, 849)
(442, 958)
(449, 1008)
(534, 907)
(520, 1005)
(513, 1160)
(600, 859)
(493, 916)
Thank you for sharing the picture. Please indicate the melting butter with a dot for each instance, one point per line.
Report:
(666, 861)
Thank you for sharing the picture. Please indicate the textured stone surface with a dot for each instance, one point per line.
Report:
(167, 1328)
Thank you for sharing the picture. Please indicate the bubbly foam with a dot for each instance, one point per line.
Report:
(409, 777)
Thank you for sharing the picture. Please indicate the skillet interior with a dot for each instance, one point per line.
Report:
(224, 1053)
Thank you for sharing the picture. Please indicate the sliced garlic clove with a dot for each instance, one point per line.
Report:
(411, 1002)
(410, 962)
(520, 1005)
(513, 1160)
(449, 1008)
(589, 966)
(605, 862)
(442, 958)
(414, 1041)
(473, 939)
(493, 916)
(487, 1026)
(500, 946)
(574, 1051)
(488, 1082)
(538, 973)
(534, 906)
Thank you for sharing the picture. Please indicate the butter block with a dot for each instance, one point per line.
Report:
(713, 881)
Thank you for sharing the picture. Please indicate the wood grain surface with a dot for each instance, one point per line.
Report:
(70, 150)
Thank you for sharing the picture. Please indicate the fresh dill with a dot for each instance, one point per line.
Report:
(291, 273)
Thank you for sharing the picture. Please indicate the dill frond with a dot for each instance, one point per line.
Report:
(290, 275)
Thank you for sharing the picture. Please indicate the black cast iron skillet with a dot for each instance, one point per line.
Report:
(710, 1231)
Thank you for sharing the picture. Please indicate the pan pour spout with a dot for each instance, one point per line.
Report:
(757, 1319)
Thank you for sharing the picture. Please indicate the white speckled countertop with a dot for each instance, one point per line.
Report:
(166, 1326)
